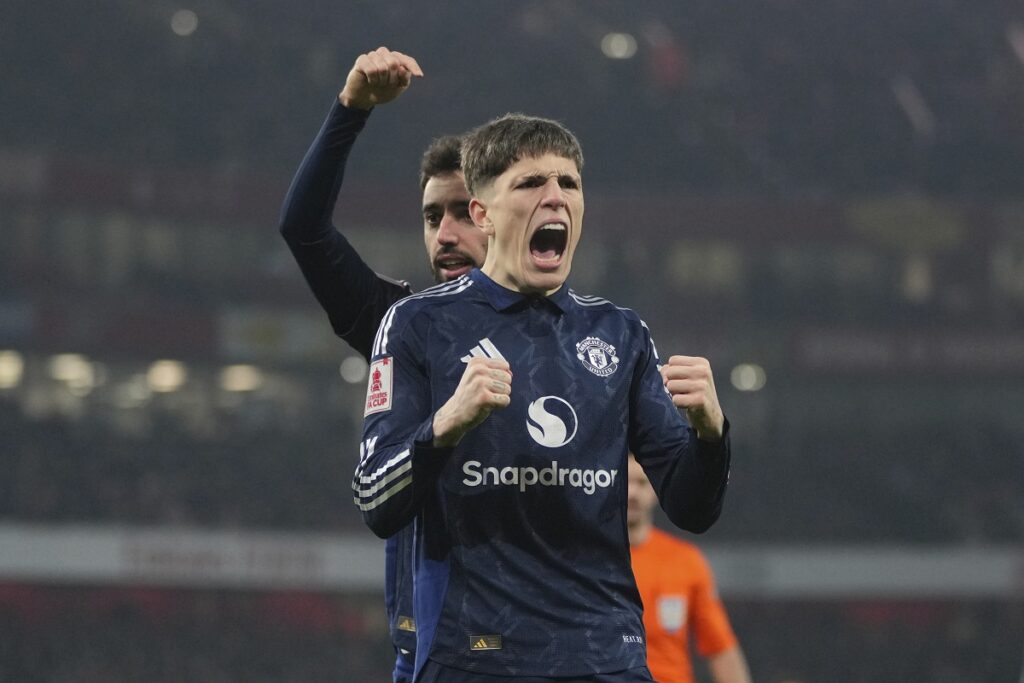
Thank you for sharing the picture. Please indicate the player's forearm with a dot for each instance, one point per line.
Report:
(383, 491)
(389, 486)
(385, 519)
(729, 667)
(693, 489)
(307, 209)
(348, 290)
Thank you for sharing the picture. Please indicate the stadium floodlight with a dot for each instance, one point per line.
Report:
(748, 377)
(12, 368)
(238, 378)
(77, 372)
(166, 376)
(353, 369)
(184, 22)
(618, 45)
(71, 368)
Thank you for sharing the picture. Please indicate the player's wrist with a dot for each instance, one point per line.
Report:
(709, 436)
(446, 431)
(353, 102)
(711, 433)
(447, 441)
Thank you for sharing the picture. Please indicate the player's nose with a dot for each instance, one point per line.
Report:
(447, 231)
(553, 194)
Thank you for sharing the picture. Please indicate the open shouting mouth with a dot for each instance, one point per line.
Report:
(547, 246)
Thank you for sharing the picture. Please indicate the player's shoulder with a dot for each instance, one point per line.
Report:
(600, 307)
(394, 289)
(416, 309)
(444, 294)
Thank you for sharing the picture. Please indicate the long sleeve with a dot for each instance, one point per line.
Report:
(398, 463)
(689, 475)
(353, 296)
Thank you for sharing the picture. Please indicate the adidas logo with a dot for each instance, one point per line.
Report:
(485, 348)
(485, 642)
(406, 624)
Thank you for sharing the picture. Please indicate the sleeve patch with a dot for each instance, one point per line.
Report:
(672, 612)
(378, 393)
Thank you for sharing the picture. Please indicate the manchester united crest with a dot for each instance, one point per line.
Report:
(597, 356)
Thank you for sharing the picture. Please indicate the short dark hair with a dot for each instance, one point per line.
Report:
(489, 150)
(441, 158)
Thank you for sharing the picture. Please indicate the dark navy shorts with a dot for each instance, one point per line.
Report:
(436, 673)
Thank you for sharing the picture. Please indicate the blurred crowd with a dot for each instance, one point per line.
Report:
(890, 483)
(880, 642)
(117, 635)
(122, 635)
(788, 96)
(897, 481)
(61, 472)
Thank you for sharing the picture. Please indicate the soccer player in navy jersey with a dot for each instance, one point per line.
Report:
(354, 297)
(499, 414)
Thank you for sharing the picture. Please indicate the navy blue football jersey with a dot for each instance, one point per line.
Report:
(521, 551)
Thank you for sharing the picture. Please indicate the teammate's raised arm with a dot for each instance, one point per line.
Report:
(350, 292)
(355, 297)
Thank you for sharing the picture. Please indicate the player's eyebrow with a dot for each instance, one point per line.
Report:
(439, 206)
(540, 177)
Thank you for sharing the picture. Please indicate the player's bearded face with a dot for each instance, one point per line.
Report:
(455, 245)
(533, 213)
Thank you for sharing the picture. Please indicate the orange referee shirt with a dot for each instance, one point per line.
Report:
(679, 596)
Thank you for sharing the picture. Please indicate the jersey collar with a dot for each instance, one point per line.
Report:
(502, 299)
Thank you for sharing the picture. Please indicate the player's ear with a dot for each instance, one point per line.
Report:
(478, 212)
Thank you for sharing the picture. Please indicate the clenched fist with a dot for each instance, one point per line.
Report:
(485, 385)
(378, 77)
(689, 380)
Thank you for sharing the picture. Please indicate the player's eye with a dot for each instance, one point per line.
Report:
(532, 181)
(567, 182)
(432, 219)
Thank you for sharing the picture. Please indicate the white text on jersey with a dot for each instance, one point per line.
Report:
(524, 477)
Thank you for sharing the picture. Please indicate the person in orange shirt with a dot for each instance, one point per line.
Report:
(679, 596)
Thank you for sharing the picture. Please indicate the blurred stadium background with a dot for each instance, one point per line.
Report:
(825, 198)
